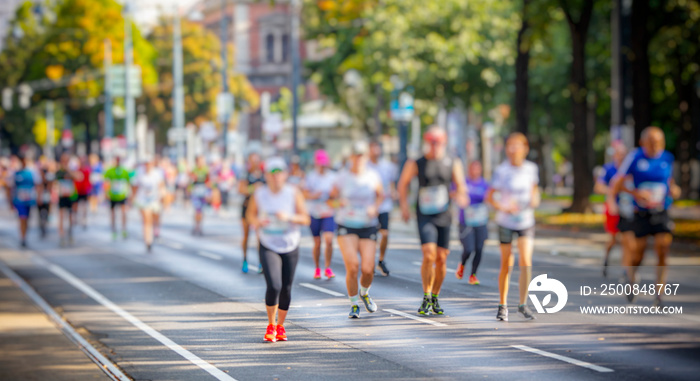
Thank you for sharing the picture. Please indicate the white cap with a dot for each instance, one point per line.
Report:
(360, 147)
(275, 163)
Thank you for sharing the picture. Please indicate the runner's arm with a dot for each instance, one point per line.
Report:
(251, 214)
(302, 215)
(410, 170)
(461, 192)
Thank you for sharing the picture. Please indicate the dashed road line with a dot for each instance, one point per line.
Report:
(569, 360)
(321, 289)
(209, 255)
(417, 318)
(174, 245)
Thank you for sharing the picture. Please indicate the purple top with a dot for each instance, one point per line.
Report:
(477, 193)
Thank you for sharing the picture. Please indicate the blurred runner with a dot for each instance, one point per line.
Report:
(96, 178)
(435, 172)
(473, 222)
(149, 189)
(317, 188)
(183, 181)
(275, 211)
(358, 194)
(170, 173)
(47, 171)
(650, 168)
(225, 182)
(26, 192)
(387, 172)
(83, 187)
(612, 208)
(516, 183)
(201, 193)
(296, 174)
(253, 179)
(66, 175)
(117, 184)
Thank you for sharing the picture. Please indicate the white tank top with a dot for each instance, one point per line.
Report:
(278, 236)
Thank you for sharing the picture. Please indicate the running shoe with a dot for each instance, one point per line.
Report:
(270, 334)
(354, 312)
(317, 273)
(62, 242)
(260, 270)
(473, 280)
(245, 267)
(329, 273)
(525, 312)
(631, 296)
(114, 236)
(148, 247)
(460, 271)
(124, 235)
(24, 244)
(369, 303)
(382, 268)
(281, 334)
(502, 314)
(425, 306)
(436, 306)
(658, 302)
(605, 269)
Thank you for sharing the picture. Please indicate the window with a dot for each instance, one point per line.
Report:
(270, 48)
(285, 48)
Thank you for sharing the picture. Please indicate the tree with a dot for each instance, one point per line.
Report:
(201, 54)
(522, 62)
(578, 17)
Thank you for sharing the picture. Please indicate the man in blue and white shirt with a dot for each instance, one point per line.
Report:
(650, 169)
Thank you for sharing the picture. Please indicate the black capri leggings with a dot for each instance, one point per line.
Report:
(279, 274)
(473, 239)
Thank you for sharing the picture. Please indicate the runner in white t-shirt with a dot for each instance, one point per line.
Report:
(317, 188)
(149, 189)
(358, 194)
(515, 181)
(388, 173)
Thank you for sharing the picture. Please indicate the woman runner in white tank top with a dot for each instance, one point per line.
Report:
(276, 211)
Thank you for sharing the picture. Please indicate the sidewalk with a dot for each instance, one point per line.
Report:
(32, 347)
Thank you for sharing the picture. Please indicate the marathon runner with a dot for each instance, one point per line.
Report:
(473, 222)
(48, 177)
(66, 175)
(317, 188)
(612, 205)
(26, 192)
(200, 191)
(436, 172)
(387, 172)
(358, 194)
(225, 182)
(650, 168)
(84, 188)
(253, 179)
(149, 189)
(516, 182)
(96, 178)
(296, 174)
(170, 172)
(276, 211)
(117, 187)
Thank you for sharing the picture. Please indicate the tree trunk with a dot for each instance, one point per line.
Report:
(684, 90)
(641, 75)
(582, 138)
(522, 61)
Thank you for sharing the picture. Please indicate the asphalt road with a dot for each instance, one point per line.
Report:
(187, 312)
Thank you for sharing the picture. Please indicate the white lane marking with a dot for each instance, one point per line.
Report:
(324, 290)
(580, 363)
(174, 245)
(417, 318)
(107, 366)
(213, 256)
(449, 270)
(191, 357)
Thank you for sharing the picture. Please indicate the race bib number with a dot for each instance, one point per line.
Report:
(355, 217)
(626, 205)
(476, 215)
(321, 209)
(433, 200)
(657, 198)
(66, 188)
(118, 187)
(26, 194)
(200, 190)
(46, 197)
(275, 226)
(95, 178)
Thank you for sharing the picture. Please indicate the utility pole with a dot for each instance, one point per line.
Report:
(178, 92)
(128, 97)
(48, 146)
(109, 120)
(224, 79)
(296, 11)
